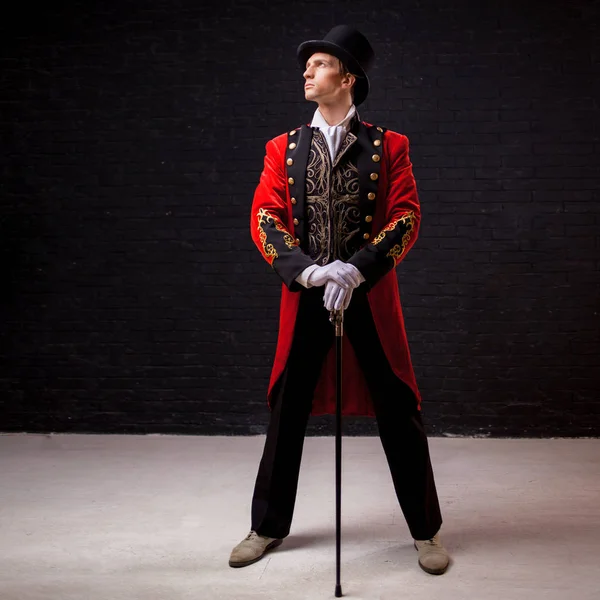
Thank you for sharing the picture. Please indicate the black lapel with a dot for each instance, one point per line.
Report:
(370, 150)
(296, 159)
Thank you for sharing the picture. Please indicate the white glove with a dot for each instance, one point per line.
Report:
(344, 274)
(336, 297)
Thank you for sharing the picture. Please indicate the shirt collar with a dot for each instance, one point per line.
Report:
(321, 123)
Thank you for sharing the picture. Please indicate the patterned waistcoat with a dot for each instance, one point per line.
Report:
(332, 196)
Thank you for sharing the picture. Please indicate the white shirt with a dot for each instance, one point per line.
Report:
(334, 136)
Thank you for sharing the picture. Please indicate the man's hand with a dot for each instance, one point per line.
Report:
(345, 275)
(336, 297)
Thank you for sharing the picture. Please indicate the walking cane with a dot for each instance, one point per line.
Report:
(337, 318)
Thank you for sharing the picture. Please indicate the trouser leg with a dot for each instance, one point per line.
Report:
(400, 426)
(277, 480)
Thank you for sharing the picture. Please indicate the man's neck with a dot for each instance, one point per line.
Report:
(334, 113)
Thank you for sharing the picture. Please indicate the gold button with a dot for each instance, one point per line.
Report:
(375, 157)
(374, 177)
(293, 145)
(293, 132)
(296, 221)
(371, 196)
(297, 240)
(291, 180)
(377, 143)
(368, 218)
(366, 236)
(289, 162)
(379, 129)
(294, 201)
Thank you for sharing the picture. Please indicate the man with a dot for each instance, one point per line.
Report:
(334, 213)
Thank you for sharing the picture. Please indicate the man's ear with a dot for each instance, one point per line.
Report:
(348, 79)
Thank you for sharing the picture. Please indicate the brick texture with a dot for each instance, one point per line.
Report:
(132, 297)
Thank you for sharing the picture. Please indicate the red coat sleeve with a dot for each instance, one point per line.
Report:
(270, 221)
(402, 214)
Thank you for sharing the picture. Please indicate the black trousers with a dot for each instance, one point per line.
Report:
(395, 406)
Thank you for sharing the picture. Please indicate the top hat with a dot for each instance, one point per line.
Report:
(351, 47)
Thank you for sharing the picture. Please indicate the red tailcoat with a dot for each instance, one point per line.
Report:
(395, 225)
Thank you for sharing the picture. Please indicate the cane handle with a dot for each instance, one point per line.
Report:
(337, 318)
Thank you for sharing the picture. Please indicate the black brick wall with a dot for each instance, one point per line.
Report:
(132, 297)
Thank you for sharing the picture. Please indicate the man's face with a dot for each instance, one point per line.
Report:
(323, 81)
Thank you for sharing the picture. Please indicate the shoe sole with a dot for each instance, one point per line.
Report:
(431, 571)
(272, 545)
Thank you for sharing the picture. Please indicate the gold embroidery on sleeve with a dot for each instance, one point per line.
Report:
(290, 242)
(269, 249)
(398, 250)
(388, 227)
(408, 219)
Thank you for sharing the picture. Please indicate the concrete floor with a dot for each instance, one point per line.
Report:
(155, 517)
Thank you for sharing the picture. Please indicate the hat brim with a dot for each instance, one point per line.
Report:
(361, 87)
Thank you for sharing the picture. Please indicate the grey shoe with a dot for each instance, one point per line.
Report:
(251, 549)
(433, 557)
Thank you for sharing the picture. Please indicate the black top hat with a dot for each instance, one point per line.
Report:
(351, 47)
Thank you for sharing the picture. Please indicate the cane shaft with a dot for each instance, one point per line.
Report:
(337, 318)
(338, 462)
